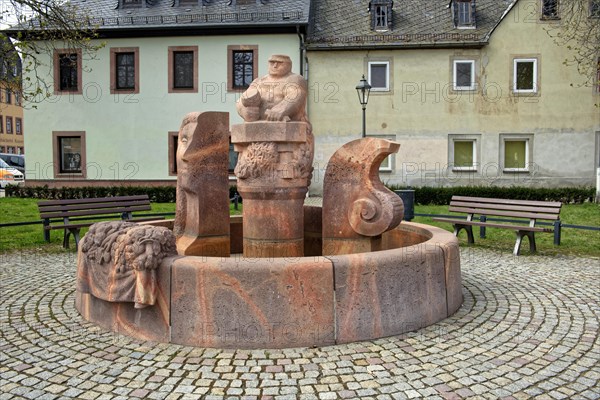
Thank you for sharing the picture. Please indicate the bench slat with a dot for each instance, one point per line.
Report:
(506, 207)
(44, 203)
(94, 206)
(492, 225)
(534, 203)
(503, 213)
(104, 211)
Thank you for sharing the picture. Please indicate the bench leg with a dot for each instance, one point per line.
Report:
(68, 232)
(468, 229)
(520, 235)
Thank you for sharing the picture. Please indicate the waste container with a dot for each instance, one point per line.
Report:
(408, 198)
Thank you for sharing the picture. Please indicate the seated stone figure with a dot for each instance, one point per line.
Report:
(279, 96)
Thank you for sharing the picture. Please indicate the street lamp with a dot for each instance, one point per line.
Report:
(363, 89)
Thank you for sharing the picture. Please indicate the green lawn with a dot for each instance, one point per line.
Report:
(574, 241)
(32, 237)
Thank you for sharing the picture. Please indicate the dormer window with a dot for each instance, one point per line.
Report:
(464, 13)
(132, 3)
(381, 14)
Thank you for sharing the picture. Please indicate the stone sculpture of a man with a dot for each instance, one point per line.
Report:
(278, 96)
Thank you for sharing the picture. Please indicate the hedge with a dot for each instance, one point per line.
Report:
(158, 194)
(441, 195)
(423, 195)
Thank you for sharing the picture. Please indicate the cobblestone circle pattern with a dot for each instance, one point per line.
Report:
(528, 328)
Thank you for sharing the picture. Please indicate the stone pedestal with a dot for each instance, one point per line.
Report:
(273, 170)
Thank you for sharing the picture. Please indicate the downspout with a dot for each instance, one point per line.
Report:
(302, 50)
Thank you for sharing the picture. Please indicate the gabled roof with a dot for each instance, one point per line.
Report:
(164, 16)
(346, 24)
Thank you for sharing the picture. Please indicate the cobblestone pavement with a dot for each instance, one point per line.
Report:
(528, 329)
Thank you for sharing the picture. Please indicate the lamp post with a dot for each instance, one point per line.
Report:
(363, 89)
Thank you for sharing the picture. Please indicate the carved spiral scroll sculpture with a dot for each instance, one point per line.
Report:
(356, 205)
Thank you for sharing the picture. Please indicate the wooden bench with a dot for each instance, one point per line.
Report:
(524, 210)
(64, 214)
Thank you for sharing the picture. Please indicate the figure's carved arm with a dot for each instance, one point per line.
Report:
(293, 103)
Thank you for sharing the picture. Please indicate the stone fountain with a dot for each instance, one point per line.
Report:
(286, 274)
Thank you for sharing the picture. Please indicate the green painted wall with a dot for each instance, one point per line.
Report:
(127, 135)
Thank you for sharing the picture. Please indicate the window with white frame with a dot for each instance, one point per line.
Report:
(379, 76)
(464, 13)
(463, 75)
(463, 152)
(516, 152)
(525, 75)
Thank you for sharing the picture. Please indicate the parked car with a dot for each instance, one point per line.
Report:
(10, 175)
(17, 161)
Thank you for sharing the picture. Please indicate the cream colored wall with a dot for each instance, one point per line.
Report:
(421, 109)
(127, 135)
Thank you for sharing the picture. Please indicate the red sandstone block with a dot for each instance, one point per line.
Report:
(249, 303)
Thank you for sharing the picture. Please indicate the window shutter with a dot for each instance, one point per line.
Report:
(473, 20)
(388, 15)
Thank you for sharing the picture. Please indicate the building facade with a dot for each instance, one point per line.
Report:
(114, 118)
(11, 111)
(475, 92)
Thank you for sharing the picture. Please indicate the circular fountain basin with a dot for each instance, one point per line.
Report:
(315, 300)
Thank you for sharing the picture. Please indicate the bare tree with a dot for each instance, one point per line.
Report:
(38, 27)
(579, 31)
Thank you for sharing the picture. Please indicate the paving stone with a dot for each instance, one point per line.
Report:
(528, 328)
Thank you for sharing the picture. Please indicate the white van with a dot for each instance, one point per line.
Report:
(10, 175)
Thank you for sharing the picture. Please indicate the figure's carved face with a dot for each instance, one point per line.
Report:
(185, 154)
(279, 66)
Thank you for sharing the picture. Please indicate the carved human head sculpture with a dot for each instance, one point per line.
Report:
(280, 65)
(188, 149)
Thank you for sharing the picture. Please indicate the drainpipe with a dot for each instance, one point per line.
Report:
(302, 50)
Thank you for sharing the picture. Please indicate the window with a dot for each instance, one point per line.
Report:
(69, 154)
(183, 69)
(516, 152)
(464, 13)
(595, 8)
(381, 14)
(131, 3)
(124, 70)
(2, 149)
(173, 140)
(464, 75)
(463, 152)
(380, 17)
(549, 9)
(7, 96)
(242, 66)
(21, 150)
(18, 98)
(18, 126)
(67, 71)
(1, 125)
(9, 125)
(233, 158)
(525, 75)
(10, 149)
(379, 76)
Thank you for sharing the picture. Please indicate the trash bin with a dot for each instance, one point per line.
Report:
(408, 198)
